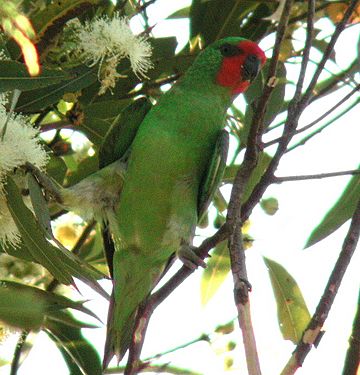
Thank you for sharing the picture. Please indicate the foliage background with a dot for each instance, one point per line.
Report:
(58, 105)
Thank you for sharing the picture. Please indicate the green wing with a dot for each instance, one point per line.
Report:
(115, 146)
(122, 132)
(211, 181)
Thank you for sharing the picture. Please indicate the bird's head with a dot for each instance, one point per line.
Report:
(234, 63)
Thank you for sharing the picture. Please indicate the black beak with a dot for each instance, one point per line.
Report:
(251, 68)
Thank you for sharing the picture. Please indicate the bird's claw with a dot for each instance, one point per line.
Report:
(188, 256)
(45, 182)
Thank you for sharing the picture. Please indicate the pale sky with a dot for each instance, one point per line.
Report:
(281, 237)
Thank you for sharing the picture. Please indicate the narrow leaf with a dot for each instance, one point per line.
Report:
(293, 314)
(79, 354)
(21, 309)
(60, 262)
(65, 317)
(231, 170)
(50, 301)
(14, 75)
(35, 100)
(33, 238)
(218, 267)
(341, 212)
(39, 205)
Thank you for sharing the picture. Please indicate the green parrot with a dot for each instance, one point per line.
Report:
(174, 168)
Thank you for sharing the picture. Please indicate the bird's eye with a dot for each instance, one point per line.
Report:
(229, 50)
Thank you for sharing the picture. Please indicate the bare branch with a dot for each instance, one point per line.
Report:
(327, 113)
(237, 255)
(279, 180)
(338, 30)
(296, 107)
(353, 353)
(232, 227)
(313, 333)
(321, 128)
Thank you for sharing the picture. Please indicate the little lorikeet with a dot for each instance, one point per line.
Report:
(174, 168)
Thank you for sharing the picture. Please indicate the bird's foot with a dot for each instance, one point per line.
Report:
(49, 186)
(187, 255)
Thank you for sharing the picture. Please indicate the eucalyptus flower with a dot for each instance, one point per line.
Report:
(107, 41)
(18, 145)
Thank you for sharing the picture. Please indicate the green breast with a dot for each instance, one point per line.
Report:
(158, 204)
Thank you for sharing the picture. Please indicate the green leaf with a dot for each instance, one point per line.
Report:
(275, 104)
(79, 354)
(39, 205)
(49, 301)
(20, 251)
(84, 169)
(20, 309)
(217, 268)
(181, 13)
(60, 262)
(35, 100)
(216, 19)
(65, 317)
(95, 129)
(14, 75)
(56, 13)
(56, 168)
(341, 212)
(122, 131)
(105, 109)
(32, 235)
(293, 314)
(231, 170)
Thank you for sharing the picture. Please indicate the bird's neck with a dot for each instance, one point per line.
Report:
(201, 80)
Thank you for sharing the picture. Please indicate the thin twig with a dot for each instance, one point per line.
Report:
(15, 363)
(157, 369)
(14, 100)
(279, 180)
(295, 110)
(338, 30)
(57, 125)
(233, 221)
(237, 254)
(307, 48)
(313, 333)
(203, 337)
(327, 113)
(145, 311)
(321, 128)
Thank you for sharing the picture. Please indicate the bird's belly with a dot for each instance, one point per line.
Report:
(157, 218)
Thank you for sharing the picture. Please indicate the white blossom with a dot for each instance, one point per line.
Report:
(107, 41)
(19, 144)
(9, 233)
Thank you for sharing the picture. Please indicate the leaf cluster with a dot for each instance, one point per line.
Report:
(65, 96)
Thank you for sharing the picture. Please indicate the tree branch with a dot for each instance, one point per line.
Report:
(338, 30)
(313, 333)
(232, 227)
(296, 107)
(327, 113)
(279, 180)
(321, 128)
(351, 365)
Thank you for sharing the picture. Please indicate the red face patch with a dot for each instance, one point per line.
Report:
(231, 71)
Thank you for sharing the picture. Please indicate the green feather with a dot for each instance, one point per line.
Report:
(171, 157)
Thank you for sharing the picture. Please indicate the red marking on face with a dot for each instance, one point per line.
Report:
(231, 70)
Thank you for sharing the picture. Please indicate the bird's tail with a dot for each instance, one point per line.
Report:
(134, 280)
(117, 340)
